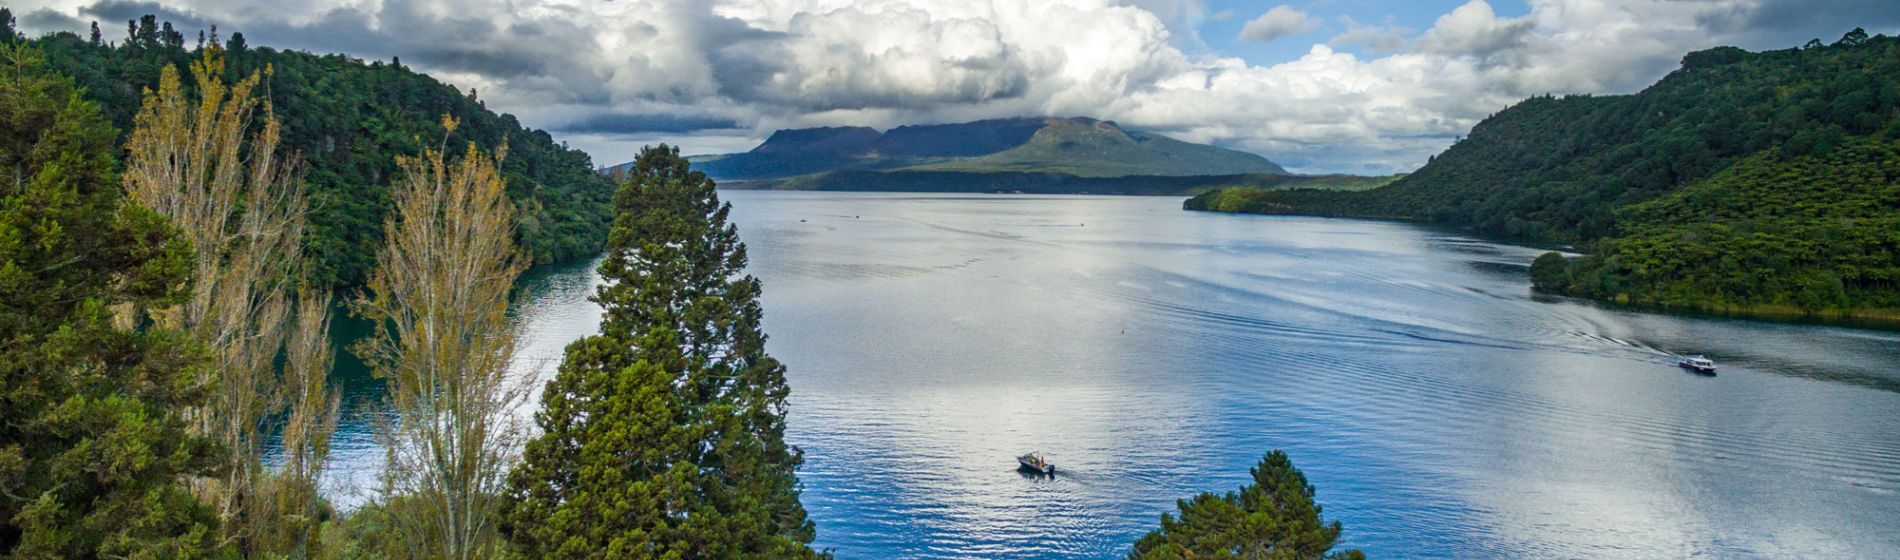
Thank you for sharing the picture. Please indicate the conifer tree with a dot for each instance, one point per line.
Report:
(1273, 518)
(93, 442)
(663, 436)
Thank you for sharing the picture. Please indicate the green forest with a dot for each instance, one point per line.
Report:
(1745, 182)
(348, 119)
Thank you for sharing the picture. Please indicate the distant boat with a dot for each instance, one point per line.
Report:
(1034, 462)
(1697, 363)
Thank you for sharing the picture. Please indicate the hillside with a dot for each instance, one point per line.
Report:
(1773, 234)
(349, 119)
(1580, 169)
(1055, 183)
(1072, 146)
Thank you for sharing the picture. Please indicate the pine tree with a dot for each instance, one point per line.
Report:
(664, 434)
(1273, 518)
(94, 441)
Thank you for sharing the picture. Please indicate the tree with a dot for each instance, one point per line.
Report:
(1273, 518)
(443, 342)
(1854, 38)
(663, 436)
(240, 205)
(94, 441)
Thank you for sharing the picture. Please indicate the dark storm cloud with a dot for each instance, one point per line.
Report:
(639, 123)
(1775, 24)
(48, 19)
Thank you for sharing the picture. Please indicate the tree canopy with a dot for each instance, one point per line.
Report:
(1275, 517)
(663, 436)
(349, 119)
(94, 444)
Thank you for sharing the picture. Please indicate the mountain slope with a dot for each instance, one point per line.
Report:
(1783, 126)
(1088, 148)
(349, 119)
(1072, 146)
(1554, 169)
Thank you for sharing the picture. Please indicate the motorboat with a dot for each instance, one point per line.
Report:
(1033, 461)
(1697, 363)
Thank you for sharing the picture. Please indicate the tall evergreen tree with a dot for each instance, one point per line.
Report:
(663, 436)
(1273, 518)
(93, 444)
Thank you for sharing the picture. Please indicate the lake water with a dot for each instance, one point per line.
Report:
(1438, 406)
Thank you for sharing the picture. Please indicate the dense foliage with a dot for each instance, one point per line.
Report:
(1749, 132)
(94, 442)
(349, 120)
(1809, 233)
(1072, 147)
(1241, 196)
(1275, 518)
(663, 436)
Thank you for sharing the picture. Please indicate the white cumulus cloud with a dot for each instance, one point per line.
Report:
(720, 75)
(1281, 21)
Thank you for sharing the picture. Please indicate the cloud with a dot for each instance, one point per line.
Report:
(1474, 29)
(1281, 21)
(1377, 39)
(1222, 15)
(720, 75)
(623, 123)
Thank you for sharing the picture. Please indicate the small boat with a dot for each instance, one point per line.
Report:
(1033, 461)
(1697, 363)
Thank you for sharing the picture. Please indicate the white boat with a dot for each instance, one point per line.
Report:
(1033, 461)
(1697, 363)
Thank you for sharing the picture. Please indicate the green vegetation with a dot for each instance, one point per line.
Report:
(663, 436)
(95, 440)
(1771, 234)
(1242, 197)
(1026, 147)
(348, 120)
(1273, 518)
(1743, 182)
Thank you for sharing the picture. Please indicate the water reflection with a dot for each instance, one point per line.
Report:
(1439, 407)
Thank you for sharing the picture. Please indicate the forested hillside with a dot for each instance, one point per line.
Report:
(1790, 142)
(349, 118)
(1774, 233)
(1555, 169)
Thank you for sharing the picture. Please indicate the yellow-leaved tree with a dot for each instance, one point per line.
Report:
(211, 166)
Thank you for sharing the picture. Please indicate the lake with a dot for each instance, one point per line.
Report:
(1440, 408)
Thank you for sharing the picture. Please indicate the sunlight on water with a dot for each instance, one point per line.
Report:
(1151, 353)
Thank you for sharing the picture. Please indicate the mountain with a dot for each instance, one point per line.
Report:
(1769, 170)
(349, 119)
(1079, 147)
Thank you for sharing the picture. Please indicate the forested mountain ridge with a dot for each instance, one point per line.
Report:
(1796, 128)
(1080, 147)
(348, 118)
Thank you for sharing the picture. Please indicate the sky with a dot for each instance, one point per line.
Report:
(1320, 86)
